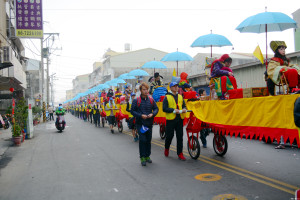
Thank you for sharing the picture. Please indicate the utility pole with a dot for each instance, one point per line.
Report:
(42, 95)
(48, 55)
(45, 54)
(52, 77)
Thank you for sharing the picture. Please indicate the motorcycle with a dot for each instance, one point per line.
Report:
(60, 123)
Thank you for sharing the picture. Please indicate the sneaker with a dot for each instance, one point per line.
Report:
(166, 152)
(143, 161)
(181, 157)
(136, 139)
(148, 160)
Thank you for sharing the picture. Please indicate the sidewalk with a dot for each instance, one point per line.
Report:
(5, 140)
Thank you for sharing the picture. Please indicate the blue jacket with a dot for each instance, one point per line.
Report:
(146, 108)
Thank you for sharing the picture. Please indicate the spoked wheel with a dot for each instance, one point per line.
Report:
(194, 151)
(162, 131)
(220, 144)
(6, 126)
(120, 126)
(103, 121)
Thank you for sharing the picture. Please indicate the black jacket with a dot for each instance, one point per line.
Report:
(146, 108)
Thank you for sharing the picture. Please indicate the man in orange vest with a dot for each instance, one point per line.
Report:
(175, 109)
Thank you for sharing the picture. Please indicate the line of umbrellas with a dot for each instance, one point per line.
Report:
(260, 23)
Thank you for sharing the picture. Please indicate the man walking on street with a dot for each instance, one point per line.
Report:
(90, 115)
(175, 109)
(50, 110)
(96, 113)
(111, 110)
(144, 109)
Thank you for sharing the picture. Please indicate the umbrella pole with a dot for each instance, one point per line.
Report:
(211, 51)
(177, 68)
(266, 46)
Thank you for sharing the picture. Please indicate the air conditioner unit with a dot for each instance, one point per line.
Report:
(7, 54)
(1, 55)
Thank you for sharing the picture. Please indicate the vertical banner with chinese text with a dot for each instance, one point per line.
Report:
(29, 18)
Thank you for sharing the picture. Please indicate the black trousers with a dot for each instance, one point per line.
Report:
(144, 141)
(91, 117)
(51, 116)
(97, 119)
(171, 126)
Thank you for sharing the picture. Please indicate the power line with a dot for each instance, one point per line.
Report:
(34, 45)
(74, 57)
(144, 9)
(32, 51)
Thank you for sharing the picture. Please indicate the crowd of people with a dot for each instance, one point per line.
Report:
(142, 108)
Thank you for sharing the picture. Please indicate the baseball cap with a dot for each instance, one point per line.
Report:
(173, 84)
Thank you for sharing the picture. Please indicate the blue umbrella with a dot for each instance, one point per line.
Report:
(138, 72)
(118, 80)
(110, 83)
(126, 76)
(103, 86)
(154, 65)
(211, 40)
(177, 56)
(266, 21)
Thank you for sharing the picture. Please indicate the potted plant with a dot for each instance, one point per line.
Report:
(36, 111)
(17, 134)
(21, 114)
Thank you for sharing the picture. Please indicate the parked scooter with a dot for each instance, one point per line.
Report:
(5, 125)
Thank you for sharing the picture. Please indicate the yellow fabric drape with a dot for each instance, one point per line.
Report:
(272, 111)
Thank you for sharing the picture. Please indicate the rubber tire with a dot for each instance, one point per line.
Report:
(6, 126)
(196, 142)
(162, 131)
(223, 138)
(120, 127)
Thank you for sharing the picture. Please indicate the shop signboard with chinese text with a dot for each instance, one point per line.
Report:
(29, 18)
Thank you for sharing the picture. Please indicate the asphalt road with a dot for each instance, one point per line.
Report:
(85, 162)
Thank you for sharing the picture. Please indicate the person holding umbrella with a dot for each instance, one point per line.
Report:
(280, 65)
(175, 109)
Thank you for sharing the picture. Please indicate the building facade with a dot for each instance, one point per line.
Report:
(12, 60)
(69, 94)
(296, 17)
(34, 81)
(94, 76)
(80, 84)
(115, 64)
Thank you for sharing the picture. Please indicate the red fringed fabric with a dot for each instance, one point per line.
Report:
(160, 120)
(195, 126)
(258, 132)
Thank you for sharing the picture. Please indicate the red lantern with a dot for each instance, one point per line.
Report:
(11, 89)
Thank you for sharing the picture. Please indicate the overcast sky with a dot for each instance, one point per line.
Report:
(87, 28)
